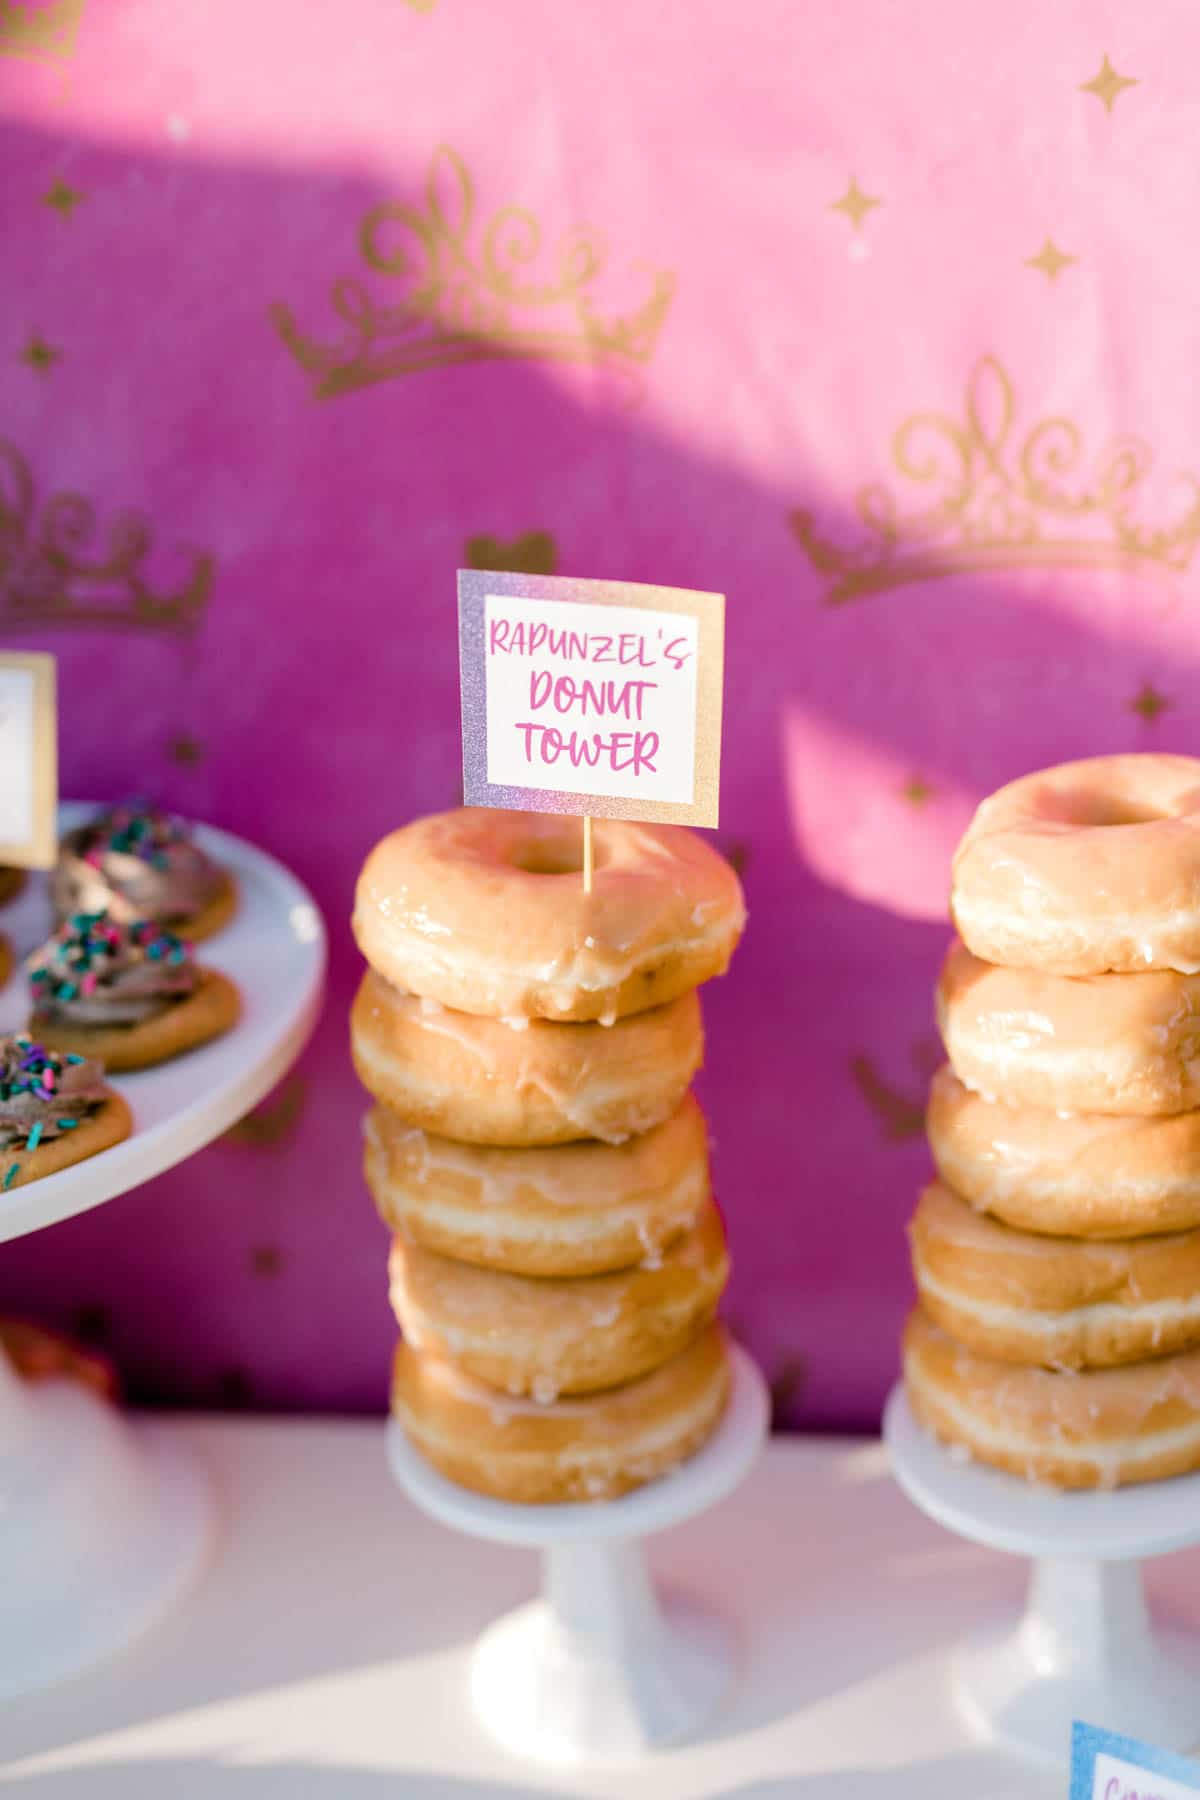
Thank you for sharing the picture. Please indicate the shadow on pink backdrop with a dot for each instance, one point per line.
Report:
(222, 171)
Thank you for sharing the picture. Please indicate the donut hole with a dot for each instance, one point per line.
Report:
(1096, 808)
(550, 856)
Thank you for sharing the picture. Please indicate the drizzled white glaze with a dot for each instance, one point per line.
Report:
(664, 912)
(475, 1079)
(1086, 1174)
(530, 1336)
(1155, 1315)
(1088, 867)
(1114, 1458)
(1124, 1044)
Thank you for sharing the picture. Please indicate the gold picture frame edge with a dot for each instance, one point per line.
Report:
(41, 849)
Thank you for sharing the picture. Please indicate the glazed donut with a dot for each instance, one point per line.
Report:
(530, 1336)
(485, 910)
(594, 1447)
(575, 1209)
(1090, 1175)
(1084, 868)
(485, 1082)
(1087, 1043)
(1099, 1429)
(1055, 1302)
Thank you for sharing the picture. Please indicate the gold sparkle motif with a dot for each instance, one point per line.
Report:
(788, 1381)
(470, 289)
(47, 30)
(533, 553)
(53, 571)
(737, 855)
(916, 791)
(38, 354)
(273, 1122)
(855, 204)
(1050, 260)
(1149, 704)
(1108, 85)
(61, 198)
(901, 1114)
(187, 750)
(999, 499)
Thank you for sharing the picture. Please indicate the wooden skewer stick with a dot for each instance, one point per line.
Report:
(587, 853)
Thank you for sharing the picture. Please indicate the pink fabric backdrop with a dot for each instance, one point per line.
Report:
(828, 257)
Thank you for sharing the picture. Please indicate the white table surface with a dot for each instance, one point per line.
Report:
(322, 1655)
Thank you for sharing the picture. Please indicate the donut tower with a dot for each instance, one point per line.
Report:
(557, 1257)
(1057, 1255)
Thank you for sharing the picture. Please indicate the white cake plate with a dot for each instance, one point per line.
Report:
(1085, 1647)
(100, 1528)
(601, 1667)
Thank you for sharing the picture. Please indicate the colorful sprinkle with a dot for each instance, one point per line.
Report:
(29, 1070)
(91, 950)
(144, 833)
(10, 1175)
(67, 1124)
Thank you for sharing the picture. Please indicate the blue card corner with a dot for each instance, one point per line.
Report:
(1090, 1742)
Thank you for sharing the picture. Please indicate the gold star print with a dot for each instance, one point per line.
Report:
(186, 749)
(39, 354)
(1107, 85)
(855, 204)
(916, 791)
(1050, 260)
(62, 198)
(1149, 704)
(787, 1384)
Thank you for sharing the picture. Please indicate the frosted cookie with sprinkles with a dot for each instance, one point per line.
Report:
(127, 995)
(55, 1110)
(139, 863)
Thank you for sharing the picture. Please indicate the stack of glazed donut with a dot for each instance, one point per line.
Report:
(557, 1256)
(1057, 1256)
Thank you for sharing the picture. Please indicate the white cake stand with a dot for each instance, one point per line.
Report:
(1085, 1647)
(100, 1527)
(600, 1667)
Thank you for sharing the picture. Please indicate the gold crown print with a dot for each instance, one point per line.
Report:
(39, 27)
(53, 572)
(999, 500)
(469, 292)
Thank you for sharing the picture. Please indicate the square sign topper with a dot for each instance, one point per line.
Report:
(598, 698)
(28, 761)
(1106, 1766)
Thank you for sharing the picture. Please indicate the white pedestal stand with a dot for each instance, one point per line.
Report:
(100, 1529)
(599, 1668)
(1085, 1647)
